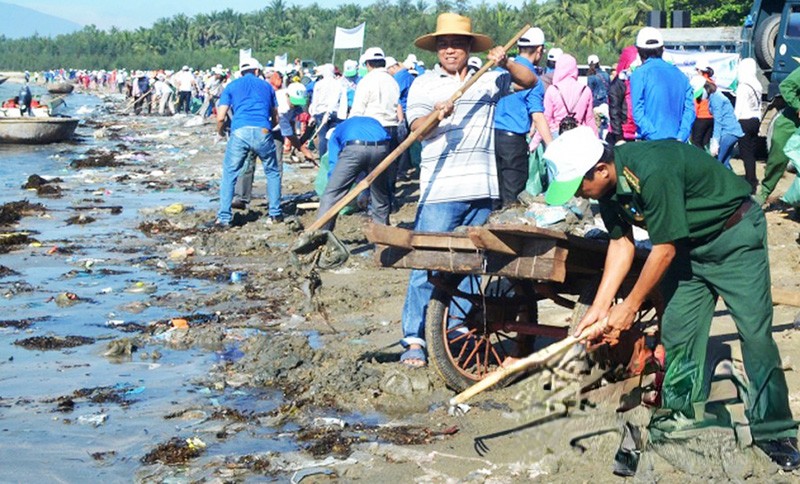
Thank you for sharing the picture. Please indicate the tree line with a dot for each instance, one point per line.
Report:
(581, 27)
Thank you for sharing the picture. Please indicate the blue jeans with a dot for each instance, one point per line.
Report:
(726, 144)
(241, 142)
(435, 217)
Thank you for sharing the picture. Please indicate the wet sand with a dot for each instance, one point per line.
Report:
(276, 384)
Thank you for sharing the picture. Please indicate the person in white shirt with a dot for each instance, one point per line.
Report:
(184, 81)
(326, 104)
(378, 94)
(748, 112)
(164, 95)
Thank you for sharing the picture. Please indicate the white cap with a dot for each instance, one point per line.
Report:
(569, 157)
(373, 53)
(350, 68)
(185, 68)
(249, 64)
(554, 53)
(390, 61)
(593, 59)
(475, 62)
(533, 37)
(649, 38)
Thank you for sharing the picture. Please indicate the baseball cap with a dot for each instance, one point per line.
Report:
(698, 83)
(554, 53)
(593, 59)
(298, 95)
(475, 62)
(531, 38)
(185, 68)
(350, 68)
(249, 64)
(373, 53)
(390, 61)
(649, 38)
(568, 158)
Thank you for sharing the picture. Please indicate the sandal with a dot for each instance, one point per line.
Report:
(414, 358)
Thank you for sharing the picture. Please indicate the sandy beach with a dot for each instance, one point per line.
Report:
(314, 359)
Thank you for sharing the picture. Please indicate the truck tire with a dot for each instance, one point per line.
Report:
(764, 40)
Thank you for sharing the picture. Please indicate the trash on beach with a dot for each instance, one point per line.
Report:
(96, 419)
(175, 451)
(140, 287)
(179, 323)
(174, 209)
(181, 253)
(66, 299)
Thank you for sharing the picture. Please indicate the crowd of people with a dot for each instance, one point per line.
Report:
(621, 139)
(650, 144)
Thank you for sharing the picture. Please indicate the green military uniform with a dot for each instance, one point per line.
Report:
(681, 194)
(785, 125)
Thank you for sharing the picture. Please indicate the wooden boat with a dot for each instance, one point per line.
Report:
(30, 130)
(61, 88)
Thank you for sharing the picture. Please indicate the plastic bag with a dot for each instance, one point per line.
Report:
(792, 150)
(537, 172)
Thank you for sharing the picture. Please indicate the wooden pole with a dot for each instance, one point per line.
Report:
(531, 361)
(412, 137)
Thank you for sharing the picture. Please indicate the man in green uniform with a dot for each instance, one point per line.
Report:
(709, 239)
(786, 124)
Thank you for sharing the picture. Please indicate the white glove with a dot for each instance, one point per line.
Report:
(713, 147)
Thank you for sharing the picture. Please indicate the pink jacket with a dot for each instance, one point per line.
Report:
(577, 96)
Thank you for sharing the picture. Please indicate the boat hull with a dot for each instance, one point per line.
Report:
(36, 130)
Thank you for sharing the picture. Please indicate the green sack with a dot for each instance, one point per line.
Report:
(322, 176)
(537, 172)
(792, 150)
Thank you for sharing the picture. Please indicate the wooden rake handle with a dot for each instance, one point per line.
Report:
(531, 361)
(402, 147)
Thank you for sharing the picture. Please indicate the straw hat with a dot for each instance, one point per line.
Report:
(454, 24)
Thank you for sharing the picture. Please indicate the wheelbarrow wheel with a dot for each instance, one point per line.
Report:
(464, 330)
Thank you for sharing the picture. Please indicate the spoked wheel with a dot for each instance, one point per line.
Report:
(470, 329)
(630, 355)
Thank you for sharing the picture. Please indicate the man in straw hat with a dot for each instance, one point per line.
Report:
(458, 175)
(709, 240)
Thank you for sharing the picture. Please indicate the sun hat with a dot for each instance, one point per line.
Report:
(475, 62)
(391, 61)
(249, 64)
(553, 54)
(350, 68)
(568, 158)
(531, 38)
(298, 95)
(410, 62)
(373, 54)
(593, 59)
(454, 24)
(649, 38)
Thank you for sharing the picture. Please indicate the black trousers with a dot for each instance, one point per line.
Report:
(184, 101)
(702, 129)
(747, 149)
(511, 154)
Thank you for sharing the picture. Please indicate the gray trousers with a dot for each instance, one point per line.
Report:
(244, 184)
(352, 160)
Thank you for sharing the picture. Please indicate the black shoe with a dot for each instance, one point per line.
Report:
(217, 225)
(239, 205)
(274, 220)
(782, 451)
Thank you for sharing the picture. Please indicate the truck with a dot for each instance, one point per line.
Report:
(770, 34)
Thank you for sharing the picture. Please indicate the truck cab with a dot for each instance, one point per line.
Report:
(771, 35)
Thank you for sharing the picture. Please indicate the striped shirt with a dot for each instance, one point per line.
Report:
(458, 162)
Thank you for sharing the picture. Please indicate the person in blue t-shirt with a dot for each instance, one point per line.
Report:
(514, 115)
(357, 145)
(254, 108)
(662, 99)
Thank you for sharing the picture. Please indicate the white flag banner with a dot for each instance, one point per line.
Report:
(349, 38)
(245, 54)
(725, 65)
(281, 61)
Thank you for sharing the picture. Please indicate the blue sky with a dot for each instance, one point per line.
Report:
(130, 14)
